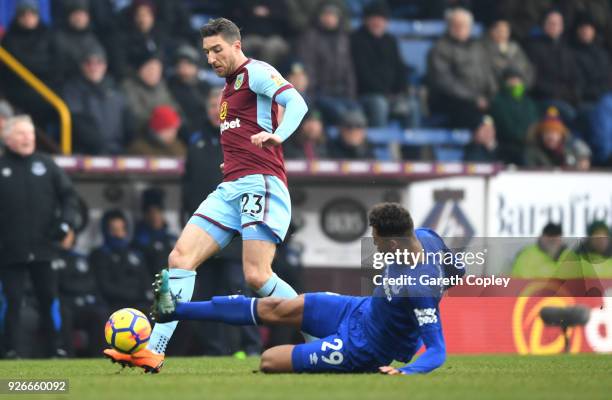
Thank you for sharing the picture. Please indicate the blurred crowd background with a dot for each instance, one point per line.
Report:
(526, 82)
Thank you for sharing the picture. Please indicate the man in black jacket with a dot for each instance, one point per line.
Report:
(557, 78)
(380, 71)
(30, 42)
(37, 207)
(100, 115)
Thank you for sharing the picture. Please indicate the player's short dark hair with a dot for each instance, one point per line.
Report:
(221, 26)
(391, 219)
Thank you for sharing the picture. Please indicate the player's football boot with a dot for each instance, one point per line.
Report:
(145, 359)
(123, 359)
(164, 302)
(148, 360)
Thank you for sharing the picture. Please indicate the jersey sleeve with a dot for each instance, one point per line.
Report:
(427, 314)
(265, 80)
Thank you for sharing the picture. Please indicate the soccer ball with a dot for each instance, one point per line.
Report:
(127, 330)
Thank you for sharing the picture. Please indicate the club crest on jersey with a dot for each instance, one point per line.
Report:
(38, 168)
(239, 80)
(223, 111)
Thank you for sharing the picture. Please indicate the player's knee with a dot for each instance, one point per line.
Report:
(255, 277)
(180, 259)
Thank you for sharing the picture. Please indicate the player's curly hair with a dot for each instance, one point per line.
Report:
(391, 219)
(221, 26)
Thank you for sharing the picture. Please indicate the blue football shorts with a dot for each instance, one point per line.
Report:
(258, 207)
(343, 346)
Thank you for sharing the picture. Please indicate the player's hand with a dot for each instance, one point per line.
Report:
(265, 139)
(222, 167)
(389, 370)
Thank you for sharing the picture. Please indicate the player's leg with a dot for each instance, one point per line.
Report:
(265, 214)
(211, 228)
(235, 310)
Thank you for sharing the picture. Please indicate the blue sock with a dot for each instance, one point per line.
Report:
(234, 310)
(182, 282)
(276, 287)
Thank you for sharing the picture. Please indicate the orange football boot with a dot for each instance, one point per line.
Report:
(145, 359)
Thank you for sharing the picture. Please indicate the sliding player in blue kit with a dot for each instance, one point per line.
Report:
(358, 334)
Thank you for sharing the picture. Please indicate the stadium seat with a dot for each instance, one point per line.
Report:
(414, 53)
(448, 154)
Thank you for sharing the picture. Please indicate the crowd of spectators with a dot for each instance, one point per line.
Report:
(135, 81)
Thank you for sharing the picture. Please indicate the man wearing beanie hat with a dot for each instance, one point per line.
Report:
(162, 137)
(551, 143)
(147, 89)
(100, 115)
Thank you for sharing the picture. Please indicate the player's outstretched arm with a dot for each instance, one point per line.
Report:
(433, 357)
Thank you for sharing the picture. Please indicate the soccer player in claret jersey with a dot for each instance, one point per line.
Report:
(253, 199)
(358, 334)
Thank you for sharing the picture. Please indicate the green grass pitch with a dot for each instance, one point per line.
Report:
(462, 377)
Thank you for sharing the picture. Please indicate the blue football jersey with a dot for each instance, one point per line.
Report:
(398, 319)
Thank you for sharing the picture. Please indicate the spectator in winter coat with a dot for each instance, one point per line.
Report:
(459, 76)
(325, 51)
(483, 147)
(380, 71)
(189, 91)
(504, 53)
(32, 44)
(147, 90)
(593, 61)
(100, 116)
(551, 145)
(514, 112)
(74, 38)
(557, 78)
(353, 142)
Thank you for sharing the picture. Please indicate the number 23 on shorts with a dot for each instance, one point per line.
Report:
(252, 204)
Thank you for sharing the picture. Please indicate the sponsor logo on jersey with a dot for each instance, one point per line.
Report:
(426, 316)
(223, 111)
(239, 80)
(225, 125)
(6, 172)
